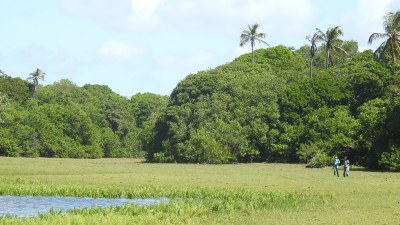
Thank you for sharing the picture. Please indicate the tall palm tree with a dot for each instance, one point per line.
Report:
(332, 41)
(35, 76)
(313, 40)
(391, 45)
(251, 35)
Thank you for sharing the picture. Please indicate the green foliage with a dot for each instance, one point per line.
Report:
(160, 157)
(380, 135)
(350, 50)
(242, 112)
(221, 115)
(35, 76)
(313, 156)
(145, 104)
(15, 89)
(302, 98)
(146, 108)
(282, 62)
(110, 142)
(8, 147)
(202, 147)
(329, 132)
(390, 160)
(334, 130)
(64, 120)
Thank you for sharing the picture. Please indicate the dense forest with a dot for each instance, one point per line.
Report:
(276, 104)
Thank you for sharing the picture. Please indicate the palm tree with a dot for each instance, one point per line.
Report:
(313, 40)
(35, 76)
(251, 35)
(332, 41)
(391, 45)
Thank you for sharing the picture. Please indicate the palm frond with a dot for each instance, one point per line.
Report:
(396, 21)
(333, 33)
(244, 40)
(251, 35)
(387, 22)
(336, 47)
(319, 35)
(254, 28)
(376, 36)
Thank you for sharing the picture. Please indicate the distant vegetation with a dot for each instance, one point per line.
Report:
(271, 105)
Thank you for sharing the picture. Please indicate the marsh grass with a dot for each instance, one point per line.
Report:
(204, 194)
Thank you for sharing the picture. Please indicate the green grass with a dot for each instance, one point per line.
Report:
(256, 193)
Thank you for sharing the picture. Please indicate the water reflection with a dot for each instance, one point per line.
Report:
(29, 206)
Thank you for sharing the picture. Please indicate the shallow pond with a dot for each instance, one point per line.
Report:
(29, 206)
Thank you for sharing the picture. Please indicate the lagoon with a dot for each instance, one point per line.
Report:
(30, 206)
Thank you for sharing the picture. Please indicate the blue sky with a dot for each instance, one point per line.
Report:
(150, 45)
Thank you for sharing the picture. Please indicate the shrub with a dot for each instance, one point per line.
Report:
(160, 157)
(313, 156)
(319, 160)
(390, 160)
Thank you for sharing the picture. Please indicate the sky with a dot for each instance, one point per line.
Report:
(138, 46)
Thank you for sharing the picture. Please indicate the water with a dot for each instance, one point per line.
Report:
(30, 206)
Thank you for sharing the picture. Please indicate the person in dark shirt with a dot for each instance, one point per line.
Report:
(346, 167)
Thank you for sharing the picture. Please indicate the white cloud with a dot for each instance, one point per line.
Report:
(225, 17)
(117, 51)
(145, 7)
(219, 16)
(143, 15)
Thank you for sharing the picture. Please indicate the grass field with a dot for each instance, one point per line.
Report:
(256, 193)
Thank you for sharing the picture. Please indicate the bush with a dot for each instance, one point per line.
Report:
(313, 156)
(160, 157)
(391, 160)
(319, 160)
(9, 148)
(204, 148)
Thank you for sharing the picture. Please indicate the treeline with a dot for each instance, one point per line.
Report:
(269, 111)
(273, 111)
(64, 120)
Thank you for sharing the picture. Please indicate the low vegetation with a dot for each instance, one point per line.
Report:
(255, 193)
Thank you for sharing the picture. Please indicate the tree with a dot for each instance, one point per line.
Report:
(15, 89)
(391, 45)
(35, 76)
(251, 35)
(313, 48)
(332, 41)
(145, 104)
(222, 115)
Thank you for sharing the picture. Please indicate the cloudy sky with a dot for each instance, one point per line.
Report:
(150, 45)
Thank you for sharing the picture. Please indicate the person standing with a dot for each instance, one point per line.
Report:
(335, 164)
(346, 167)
